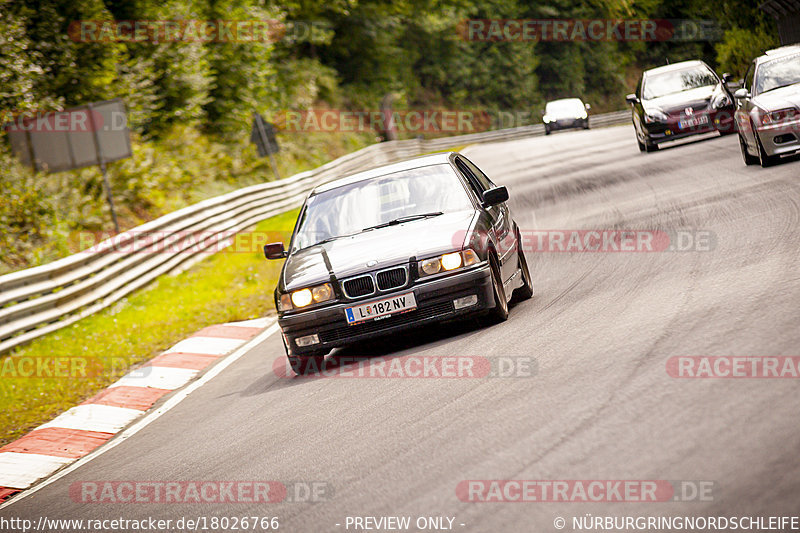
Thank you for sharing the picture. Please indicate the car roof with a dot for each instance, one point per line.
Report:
(674, 66)
(788, 49)
(776, 53)
(565, 100)
(408, 164)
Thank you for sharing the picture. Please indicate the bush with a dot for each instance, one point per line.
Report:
(739, 47)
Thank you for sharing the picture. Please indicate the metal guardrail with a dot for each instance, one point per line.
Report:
(39, 300)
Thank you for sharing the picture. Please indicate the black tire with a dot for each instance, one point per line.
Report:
(641, 145)
(526, 291)
(586, 124)
(748, 158)
(650, 147)
(763, 158)
(546, 130)
(499, 313)
(304, 365)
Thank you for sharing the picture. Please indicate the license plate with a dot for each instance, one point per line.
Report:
(381, 308)
(693, 121)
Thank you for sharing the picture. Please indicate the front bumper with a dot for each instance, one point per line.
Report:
(780, 139)
(434, 304)
(565, 124)
(720, 120)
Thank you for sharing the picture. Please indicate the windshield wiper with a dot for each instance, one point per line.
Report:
(329, 239)
(394, 222)
(323, 241)
(407, 218)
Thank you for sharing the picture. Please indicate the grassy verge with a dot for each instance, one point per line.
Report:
(230, 285)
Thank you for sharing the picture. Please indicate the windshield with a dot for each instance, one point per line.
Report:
(571, 107)
(352, 208)
(778, 73)
(659, 85)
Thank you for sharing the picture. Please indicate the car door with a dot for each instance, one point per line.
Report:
(744, 106)
(502, 224)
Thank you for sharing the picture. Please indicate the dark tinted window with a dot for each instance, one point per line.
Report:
(748, 77)
(483, 179)
(474, 184)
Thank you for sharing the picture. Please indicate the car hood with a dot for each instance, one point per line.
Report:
(387, 246)
(676, 103)
(779, 98)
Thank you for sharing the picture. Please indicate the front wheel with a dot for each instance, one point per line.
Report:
(546, 130)
(500, 311)
(748, 159)
(525, 292)
(763, 158)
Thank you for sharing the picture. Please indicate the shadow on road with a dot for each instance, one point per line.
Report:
(387, 347)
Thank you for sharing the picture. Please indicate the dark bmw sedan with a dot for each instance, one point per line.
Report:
(422, 241)
(678, 100)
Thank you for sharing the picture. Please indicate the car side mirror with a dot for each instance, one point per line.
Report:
(741, 93)
(495, 196)
(587, 106)
(726, 77)
(275, 250)
(632, 99)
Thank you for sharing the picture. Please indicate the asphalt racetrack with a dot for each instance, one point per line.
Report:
(598, 402)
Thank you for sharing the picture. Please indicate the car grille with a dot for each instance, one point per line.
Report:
(360, 286)
(697, 110)
(389, 279)
(344, 332)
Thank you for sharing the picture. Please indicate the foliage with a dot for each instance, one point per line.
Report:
(739, 47)
(190, 102)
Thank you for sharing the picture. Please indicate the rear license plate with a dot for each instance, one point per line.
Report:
(692, 122)
(381, 308)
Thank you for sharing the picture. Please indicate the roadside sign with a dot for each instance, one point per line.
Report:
(92, 134)
(263, 135)
(75, 138)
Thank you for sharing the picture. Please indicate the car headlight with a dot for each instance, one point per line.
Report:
(655, 115)
(774, 117)
(304, 297)
(447, 262)
(721, 100)
(546, 119)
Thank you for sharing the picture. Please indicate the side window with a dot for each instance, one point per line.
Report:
(473, 181)
(639, 88)
(748, 78)
(485, 182)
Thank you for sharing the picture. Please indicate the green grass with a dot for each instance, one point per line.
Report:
(231, 285)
